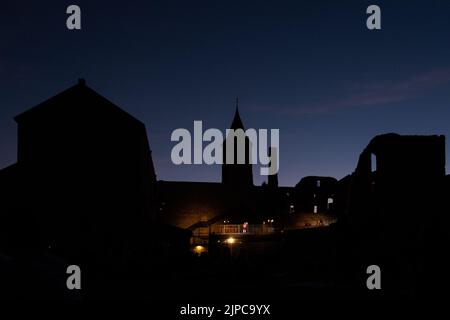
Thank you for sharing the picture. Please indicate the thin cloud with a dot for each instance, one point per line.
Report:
(374, 94)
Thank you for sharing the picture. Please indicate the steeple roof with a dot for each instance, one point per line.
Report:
(237, 122)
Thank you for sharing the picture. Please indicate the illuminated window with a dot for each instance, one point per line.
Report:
(318, 183)
(315, 209)
(373, 162)
(329, 203)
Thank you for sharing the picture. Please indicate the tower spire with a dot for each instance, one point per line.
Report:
(237, 122)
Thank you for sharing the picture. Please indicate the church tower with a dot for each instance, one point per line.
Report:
(237, 176)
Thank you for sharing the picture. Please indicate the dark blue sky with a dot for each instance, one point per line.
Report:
(309, 68)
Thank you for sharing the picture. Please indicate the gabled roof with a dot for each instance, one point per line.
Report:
(78, 98)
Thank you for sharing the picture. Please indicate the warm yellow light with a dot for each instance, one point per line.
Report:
(199, 249)
(230, 240)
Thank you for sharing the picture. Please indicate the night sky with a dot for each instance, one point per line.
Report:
(310, 68)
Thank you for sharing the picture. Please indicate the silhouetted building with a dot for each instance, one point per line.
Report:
(185, 204)
(395, 214)
(315, 194)
(83, 188)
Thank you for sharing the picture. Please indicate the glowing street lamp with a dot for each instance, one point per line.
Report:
(199, 250)
(230, 240)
